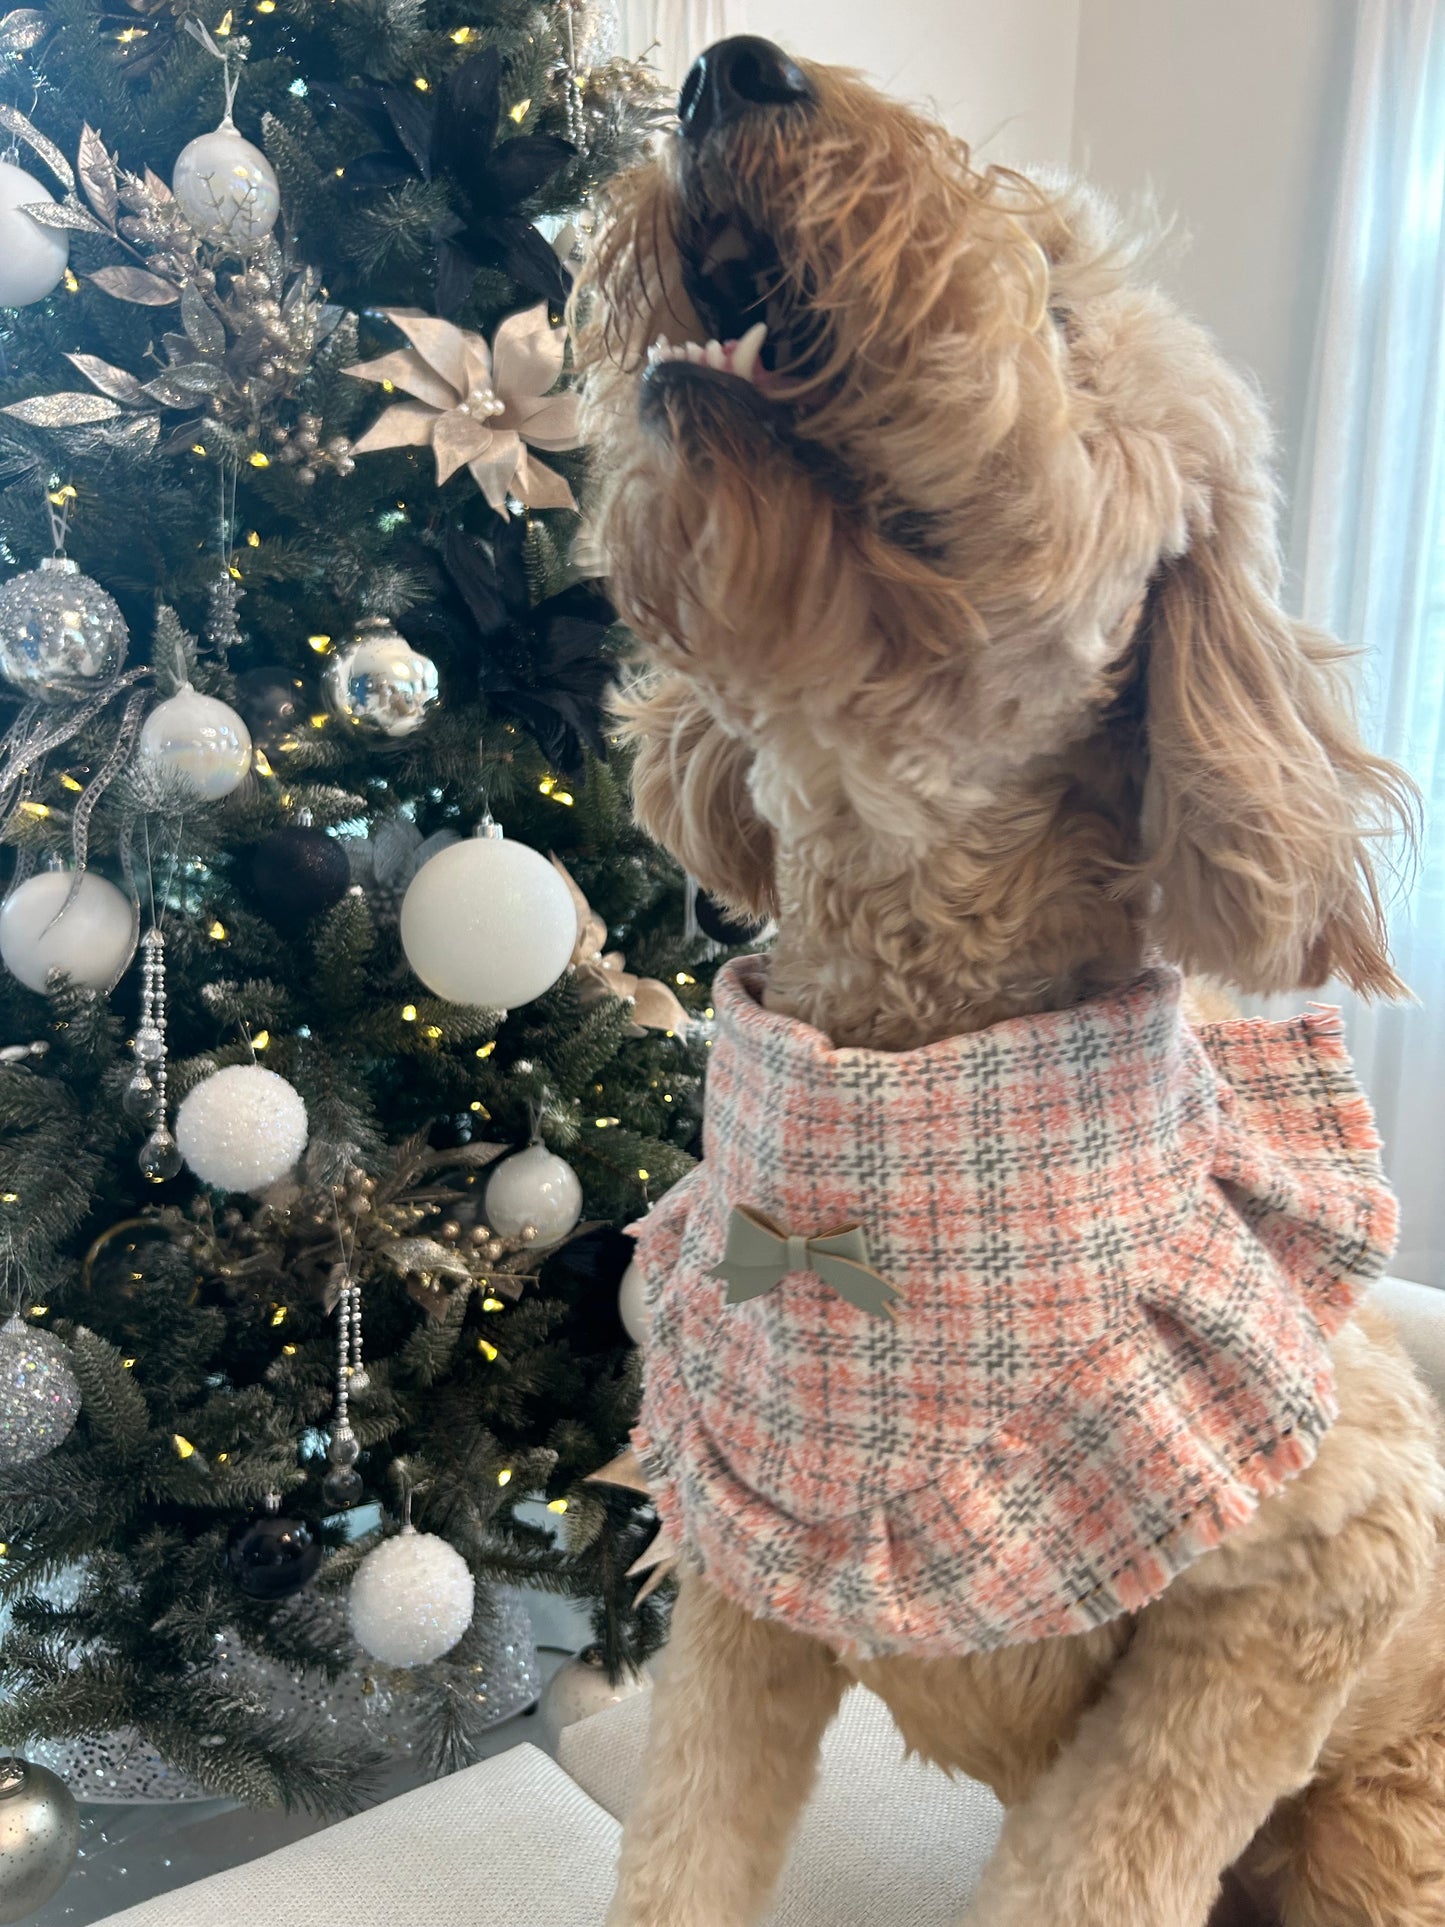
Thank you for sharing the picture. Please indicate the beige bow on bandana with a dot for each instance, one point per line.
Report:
(760, 1254)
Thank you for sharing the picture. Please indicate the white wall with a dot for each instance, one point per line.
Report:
(1232, 110)
(1000, 72)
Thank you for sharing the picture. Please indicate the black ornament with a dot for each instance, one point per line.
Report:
(587, 1273)
(272, 1557)
(271, 702)
(450, 135)
(296, 873)
(715, 920)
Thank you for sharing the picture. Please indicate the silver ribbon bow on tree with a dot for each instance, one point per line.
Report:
(760, 1253)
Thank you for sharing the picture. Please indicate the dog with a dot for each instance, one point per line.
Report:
(957, 585)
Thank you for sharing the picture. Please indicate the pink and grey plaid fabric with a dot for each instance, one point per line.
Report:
(1122, 1246)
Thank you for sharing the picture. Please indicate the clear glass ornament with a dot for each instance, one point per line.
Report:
(149, 1045)
(60, 633)
(227, 188)
(342, 1487)
(141, 1098)
(380, 682)
(345, 1448)
(160, 1157)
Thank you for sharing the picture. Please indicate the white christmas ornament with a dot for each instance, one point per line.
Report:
(200, 740)
(579, 1689)
(488, 921)
(227, 188)
(32, 257)
(411, 1599)
(91, 939)
(242, 1128)
(632, 1306)
(535, 1189)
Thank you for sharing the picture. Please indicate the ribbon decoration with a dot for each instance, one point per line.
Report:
(599, 973)
(760, 1254)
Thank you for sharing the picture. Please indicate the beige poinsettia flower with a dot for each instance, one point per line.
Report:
(597, 973)
(479, 407)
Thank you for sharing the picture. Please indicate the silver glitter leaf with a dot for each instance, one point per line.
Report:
(64, 410)
(112, 381)
(21, 30)
(188, 386)
(157, 188)
(406, 1255)
(15, 123)
(98, 176)
(64, 214)
(137, 434)
(205, 329)
(134, 284)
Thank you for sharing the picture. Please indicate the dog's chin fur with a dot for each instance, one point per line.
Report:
(977, 606)
(964, 657)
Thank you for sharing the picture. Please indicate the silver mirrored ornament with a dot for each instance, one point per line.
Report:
(39, 1834)
(39, 1396)
(60, 633)
(379, 682)
(159, 1157)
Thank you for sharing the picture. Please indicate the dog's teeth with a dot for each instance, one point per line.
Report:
(715, 356)
(745, 355)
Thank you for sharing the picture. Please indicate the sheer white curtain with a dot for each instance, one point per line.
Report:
(1369, 547)
(676, 31)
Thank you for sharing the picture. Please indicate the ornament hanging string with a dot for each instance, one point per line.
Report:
(231, 81)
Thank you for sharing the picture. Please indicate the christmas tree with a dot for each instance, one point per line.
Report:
(284, 382)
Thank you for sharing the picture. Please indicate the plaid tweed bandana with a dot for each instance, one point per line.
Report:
(1120, 1247)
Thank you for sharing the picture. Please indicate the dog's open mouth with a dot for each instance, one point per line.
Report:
(756, 333)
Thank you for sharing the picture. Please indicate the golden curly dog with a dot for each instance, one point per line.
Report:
(960, 594)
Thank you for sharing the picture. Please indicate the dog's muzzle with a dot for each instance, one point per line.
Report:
(736, 77)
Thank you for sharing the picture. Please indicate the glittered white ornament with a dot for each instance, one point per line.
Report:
(411, 1599)
(534, 1188)
(39, 1395)
(32, 258)
(488, 921)
(91, 939)
(39, 1834)
(242, 1128)
(380, 681)
(581, 1688)
(227, 188)
(60, 633)
(632, 1306)
(199, 739)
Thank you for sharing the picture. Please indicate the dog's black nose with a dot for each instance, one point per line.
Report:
(733, 76)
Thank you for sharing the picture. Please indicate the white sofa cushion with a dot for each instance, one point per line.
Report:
(1418, 1314)
(510, 1843)
(883, 1838)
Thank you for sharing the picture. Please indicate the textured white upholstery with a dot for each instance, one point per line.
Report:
(883, 1839)
(1418, 1314)
(510, 1843)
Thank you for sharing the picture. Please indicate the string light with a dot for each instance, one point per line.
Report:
(69, 782)
(683, 978)
(129, 1363)
(464, 36)
(644, 1175)
(261, 1041)
(72, 286)
(556, 1505)
(183, 1446)
(493, 1304)
(258, 458)
(218, 931)
(504, 1477)
(9, 1197)
(422, 84)
(486, 1049)
(278, 1315)
(259, 762)
(604, 1123)
(38, 1311)
(253, 540)
(408, 1013)
(32, 808)
(225, 26)
(519, 112)
(488, 1351)
(433, 1031)
(288, 1351)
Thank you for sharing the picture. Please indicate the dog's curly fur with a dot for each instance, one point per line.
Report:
(967, 662)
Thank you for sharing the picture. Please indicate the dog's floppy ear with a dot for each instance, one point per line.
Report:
(690, 793)
(1263, 811)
